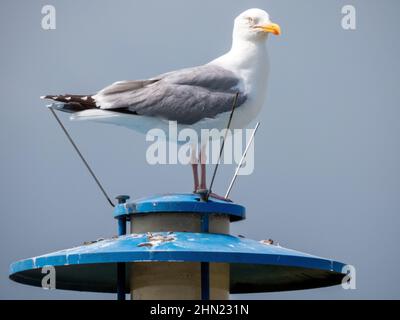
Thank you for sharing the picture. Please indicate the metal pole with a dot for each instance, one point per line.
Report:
(235, 100)
(81, 156)
(121, 266)
(241, 161)
(205, 266)
(205, 281)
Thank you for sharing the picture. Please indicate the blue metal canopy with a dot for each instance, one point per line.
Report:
(255, 267)
(180, 203)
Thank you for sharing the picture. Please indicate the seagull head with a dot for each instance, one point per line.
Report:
(254, 25)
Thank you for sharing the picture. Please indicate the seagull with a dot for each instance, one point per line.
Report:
(199, 98)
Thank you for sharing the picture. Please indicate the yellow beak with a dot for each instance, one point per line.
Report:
(271, 28)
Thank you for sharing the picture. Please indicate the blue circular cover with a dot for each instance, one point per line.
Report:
(255, 267)
(180, 203)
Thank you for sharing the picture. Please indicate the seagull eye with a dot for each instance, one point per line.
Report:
(250, 20)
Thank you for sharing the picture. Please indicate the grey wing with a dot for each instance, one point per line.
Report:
(123, 86)
(186, 96)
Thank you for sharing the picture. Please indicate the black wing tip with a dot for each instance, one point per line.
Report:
(50, 97)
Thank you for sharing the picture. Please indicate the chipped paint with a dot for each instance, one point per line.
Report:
(178, 247)
(180, 203)
(156, 239)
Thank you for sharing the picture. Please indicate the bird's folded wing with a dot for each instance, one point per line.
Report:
(186, 96)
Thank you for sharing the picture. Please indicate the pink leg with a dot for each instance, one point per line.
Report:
(195, 176)
(203, 160)
(218, 197)
(194, 163)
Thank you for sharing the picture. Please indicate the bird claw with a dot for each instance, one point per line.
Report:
(218, 197)
(205, 195)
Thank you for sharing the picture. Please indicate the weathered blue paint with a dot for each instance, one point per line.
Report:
(254, 266)
(122, 226)
(180, 203)
(244, 255)
(205, 223)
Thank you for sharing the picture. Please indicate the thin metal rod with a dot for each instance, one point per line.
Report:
(241, 161)
(223, 143)
(82, 158)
